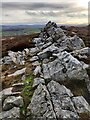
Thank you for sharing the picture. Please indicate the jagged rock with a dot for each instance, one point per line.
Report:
(7, 60)
(37, 40)
(12, 114)
(33, 51)
(41, 105)
(81, 104)
(7, 92)
(71, 43)
(18, 72)
(55, 33)
(11, 102)
(34, 58)
(82, 54)
(65, 67)
(37, 70)
(17, 57)
(26, 51)
(46, 53)
(76, 43)
(46, 45)
(53, 101)
(50, 24)
(37, 81)
(60, 96)
(13, 56)
(60, 90)
(36, 63)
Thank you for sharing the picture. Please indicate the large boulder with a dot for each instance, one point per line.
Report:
(57, 102)
(41, 105)
(65, 67)
(63, 105)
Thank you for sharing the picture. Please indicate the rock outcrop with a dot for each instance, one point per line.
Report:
(55, 58)
(57, 102)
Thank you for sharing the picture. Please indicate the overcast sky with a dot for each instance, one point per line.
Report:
(42, 11)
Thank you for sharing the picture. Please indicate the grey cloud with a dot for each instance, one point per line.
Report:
(34, 6)
(63, 8)
(43, 13)
(38, 6)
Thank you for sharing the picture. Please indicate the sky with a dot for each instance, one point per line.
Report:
(42, 11)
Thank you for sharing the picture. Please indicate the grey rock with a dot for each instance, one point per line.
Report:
(17, 57)
(34, 51)
(36, 63)
(37, 40)
(52, 101)
(37, 70)
(37, 81)
(34, 58)
(41, 106)
(77, 43)
(50, 24)
(83, 53)
(39, 45)
(46, 53)
(18, 72)
(46, 45)
(71, 43)
(81, 104)
(7, 60)
(7, 92)
(64, 67)
(11, 102)
(60, 96)
(61, 90)
(50, 40)
(11, 114)
(13, 56)
(1, 61)
(26, 51)
(18, 84)
(55, 33)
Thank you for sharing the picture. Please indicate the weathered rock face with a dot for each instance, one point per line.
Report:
(41, 104)
(57, 102)
(65, 67)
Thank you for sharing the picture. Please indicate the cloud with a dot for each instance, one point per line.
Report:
(36, 6)
(42, 11)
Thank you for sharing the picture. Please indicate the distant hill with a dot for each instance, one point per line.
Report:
(14, 30)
